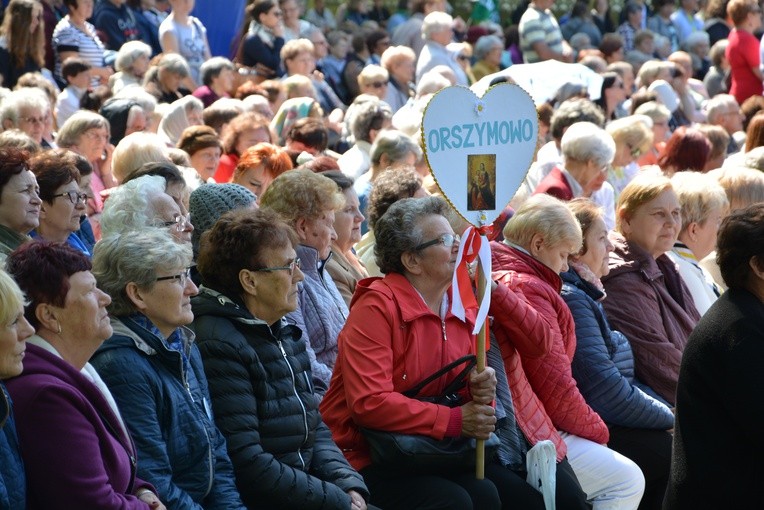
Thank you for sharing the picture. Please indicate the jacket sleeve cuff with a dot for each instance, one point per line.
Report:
(454, 428)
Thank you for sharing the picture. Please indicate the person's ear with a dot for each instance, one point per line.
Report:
(248, 282)
(757, 266)
(412, 262)
(136, 296)
(537, 242)
(46, 316)
(692, 230)
(301, 227)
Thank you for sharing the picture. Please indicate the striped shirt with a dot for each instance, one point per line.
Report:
(538, 26)
(67, 37)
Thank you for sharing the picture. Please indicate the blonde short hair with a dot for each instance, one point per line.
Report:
(744, 186)
(394, 55)
(372, 73)
(634, 130)
(12, 300)
(303, 194)
(545, 215)
(699, 195)
(645, 187)
(294, 47)
(134, 150)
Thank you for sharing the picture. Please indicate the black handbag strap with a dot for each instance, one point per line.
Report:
(455, 385)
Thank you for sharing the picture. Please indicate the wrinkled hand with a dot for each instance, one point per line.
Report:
(478, 420)
(483, 385)
(152, 500)
(356, 501)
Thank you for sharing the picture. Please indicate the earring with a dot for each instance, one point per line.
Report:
(59, 327)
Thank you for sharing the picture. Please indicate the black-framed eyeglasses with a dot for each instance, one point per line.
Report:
(446, 240)
(179, 222)
(74, 197)
(289, 269)
(183, 277)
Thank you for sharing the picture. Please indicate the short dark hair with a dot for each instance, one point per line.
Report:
(53, 171)
(73, 66)
(236, 242)
(42, 270)
(164, 169)
(391, 185)
(343, 181)
(195, 138)
(13, 161)
(741, 238)
(310, 132)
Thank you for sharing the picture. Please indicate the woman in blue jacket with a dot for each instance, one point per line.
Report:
(14, 330)
(154, 371)
(603, 364)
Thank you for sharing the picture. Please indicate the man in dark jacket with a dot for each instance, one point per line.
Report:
(116, 23)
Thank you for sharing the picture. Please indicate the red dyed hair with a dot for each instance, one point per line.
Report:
(687, 149)
(42, 270)
(274, 158)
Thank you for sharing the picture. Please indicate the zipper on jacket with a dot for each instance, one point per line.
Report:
(443, 327)
(204, 426)
(302, 406)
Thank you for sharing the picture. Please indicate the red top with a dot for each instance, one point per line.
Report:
(743, 55)
(227, 165)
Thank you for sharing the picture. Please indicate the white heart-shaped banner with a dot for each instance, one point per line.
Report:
(479, 149)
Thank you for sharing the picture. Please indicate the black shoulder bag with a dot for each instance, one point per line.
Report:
(423, 454)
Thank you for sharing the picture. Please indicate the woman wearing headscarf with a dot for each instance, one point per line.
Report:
(76, 449)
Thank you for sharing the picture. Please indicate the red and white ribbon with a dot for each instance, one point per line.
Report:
(474, 245)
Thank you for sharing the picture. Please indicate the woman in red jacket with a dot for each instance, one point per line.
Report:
(401, 330)
(539, 238)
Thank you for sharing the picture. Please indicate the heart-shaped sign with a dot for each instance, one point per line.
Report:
(479, 149)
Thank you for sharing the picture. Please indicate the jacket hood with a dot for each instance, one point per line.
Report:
(123, 336)
(116, 111)
(628, 258)
(212, 302)
(506, 258)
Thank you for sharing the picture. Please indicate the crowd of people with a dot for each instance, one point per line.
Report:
(222, 275)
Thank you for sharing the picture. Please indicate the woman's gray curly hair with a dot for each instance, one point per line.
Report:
(399, 230)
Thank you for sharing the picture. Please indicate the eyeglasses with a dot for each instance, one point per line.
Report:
(179, 222)
(377, 84)
(278, 14)
(95, 136)
(463, 58)
(34, 120)
(634, 151)
(183, 277)
(74, 197)
(446, 240)
(289, 269)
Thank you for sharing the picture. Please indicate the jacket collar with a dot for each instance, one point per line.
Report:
(627, 257)
(310, 261)
(520, 261)
(572, 278)
(145, 341)
(212, 302)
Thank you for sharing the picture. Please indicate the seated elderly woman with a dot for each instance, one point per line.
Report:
(392, 185)
(538, 240)
(282, 452)
(373, 80)
(63, 203)
(88, 134)
(19, 200)
(259, 166)
(395, 337)
(400, 64)
(487, 53)
(73, 441)
(365, 122)
(308, 202)
(131, 63)
(686, 149)
(144, 202)
(175, 185)
(344, 267)
(720, 381)
(391, 149)
(660, 115)
(243, 132)
(14, 331)
(154, 370)
(437, 32)
(603, 364)
(135, 150)
(27, 110)
(587, 151)
(181, 114)
(164, 79)
(633, 137)
(646, 298)
(704, 204)
(744, 187)
(203, 147)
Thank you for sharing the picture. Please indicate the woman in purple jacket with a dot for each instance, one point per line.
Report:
(76, 450)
